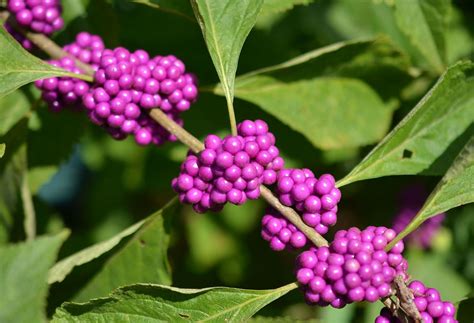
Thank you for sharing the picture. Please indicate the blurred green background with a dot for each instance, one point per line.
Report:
(104, 186)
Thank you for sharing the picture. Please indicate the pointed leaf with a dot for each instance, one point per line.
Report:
(143, 259)
(325, 94)
(18, 67)
(150, 303)
(225, 26)
(419, 141)
(455, 188)
(425, 23)
(62, 268)
(23, 272)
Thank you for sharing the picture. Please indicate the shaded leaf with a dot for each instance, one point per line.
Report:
(225, 26)
(23, 272)
(316, 92)
(465, 311)
(455, 188)
(2, 150)
(13, 108)
(425, 23)
(18, 67)
(142, 259)
(424, 135)
(62, 268)
(178, 7)
(149, 303)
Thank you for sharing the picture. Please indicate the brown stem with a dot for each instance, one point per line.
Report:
(53, 50)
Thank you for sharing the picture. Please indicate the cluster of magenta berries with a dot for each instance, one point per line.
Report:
(428, 302)
(87, 48)
(230, 169)
(128, 85)
(40, 16)
(411, 201)
(281, 234)
(61, 92)
(353, 268)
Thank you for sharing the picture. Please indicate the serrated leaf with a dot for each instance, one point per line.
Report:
(178, 7)
(426, 133)
(275, 6)
(23, 272)
(142, 259)
(13, 108)
(18, 67)
(151, 303)
(325, 94)
(62, 268)
(425, 23)
(455, 188)
(225, 25)
(2, 150)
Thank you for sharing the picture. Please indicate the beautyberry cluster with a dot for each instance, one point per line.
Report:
(353, 268)
(428, 302)
(411, 201)
(40, 16)
(128, 85)
(280, 233)
(230, 169)
(60, 92)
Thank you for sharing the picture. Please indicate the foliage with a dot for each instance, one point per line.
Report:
(364, 90)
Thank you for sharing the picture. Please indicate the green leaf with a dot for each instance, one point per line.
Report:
(150, 303)
(425, 23)
(455, 188)
(422, 138)
(178, 7)
(225, 26)
(23, 271)
(325, 94)
(142, 259)
(13, 108)
(275, 6)
(62, 268)
(2, 150)
(18, 67)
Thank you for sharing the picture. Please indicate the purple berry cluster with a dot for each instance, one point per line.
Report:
(40, 16)
(128, 85)
(353, 268)
(411, 201)
(87, 48)
(281, 234)
(59, 92)
(315, 199)
(428, 302)
(230, 169)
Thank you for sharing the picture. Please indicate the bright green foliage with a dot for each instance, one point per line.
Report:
(23, 273)
(426, 132)
(150, 303)
(18, 67)
(325, 94)
(225, 32)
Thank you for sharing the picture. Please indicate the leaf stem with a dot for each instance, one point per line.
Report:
(230, 109)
